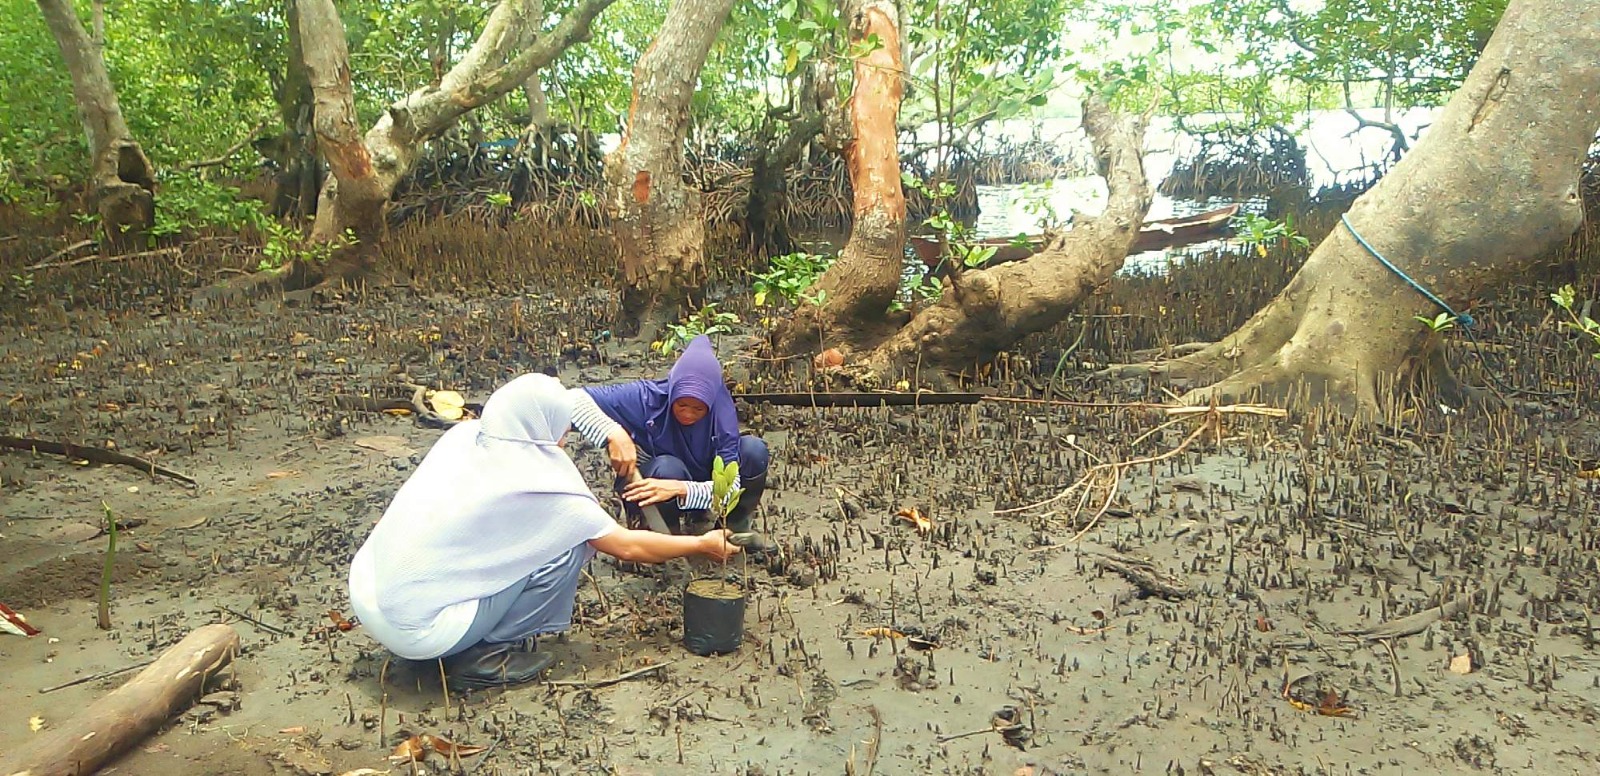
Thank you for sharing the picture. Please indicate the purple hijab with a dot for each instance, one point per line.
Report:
(644, 408)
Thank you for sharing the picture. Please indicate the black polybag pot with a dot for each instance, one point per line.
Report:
(713, 617)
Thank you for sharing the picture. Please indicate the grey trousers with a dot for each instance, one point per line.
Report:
(540, 603)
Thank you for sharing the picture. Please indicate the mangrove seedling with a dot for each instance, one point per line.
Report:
(105, 573)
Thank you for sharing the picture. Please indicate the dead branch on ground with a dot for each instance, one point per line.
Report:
(94, 454)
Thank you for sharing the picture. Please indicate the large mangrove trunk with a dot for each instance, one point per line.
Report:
(985, 311)
(121, 179)
(856, 291)
(659, 225)
(367, 167)
(1491, 187)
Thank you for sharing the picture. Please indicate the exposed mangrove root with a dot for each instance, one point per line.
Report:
(1106, 477)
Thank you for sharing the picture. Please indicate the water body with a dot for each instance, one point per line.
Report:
(1336, 152)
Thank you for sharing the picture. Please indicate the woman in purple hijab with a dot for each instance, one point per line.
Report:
(671, 430)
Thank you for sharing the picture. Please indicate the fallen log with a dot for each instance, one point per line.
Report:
(1144, 575)
(94, 454)
(118, 721)
(860, 399)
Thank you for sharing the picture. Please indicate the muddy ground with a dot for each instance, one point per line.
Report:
(1267, 554)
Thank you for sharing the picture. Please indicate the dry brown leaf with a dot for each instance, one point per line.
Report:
(409, 750)
(883, 633)
(280, 475)
(293, 731)
(450, 748)
(915, 517)
(339, 621)
(448, 404)
(399, 412)
(1461, 664)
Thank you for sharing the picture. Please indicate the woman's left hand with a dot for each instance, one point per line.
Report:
(654, 491)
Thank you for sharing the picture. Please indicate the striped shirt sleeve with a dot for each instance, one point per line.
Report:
(590, 420)
(699, 496)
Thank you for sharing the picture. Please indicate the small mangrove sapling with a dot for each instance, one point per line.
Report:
(105, 573)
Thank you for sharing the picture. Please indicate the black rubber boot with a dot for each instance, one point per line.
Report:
(495, 665)
(739, 517)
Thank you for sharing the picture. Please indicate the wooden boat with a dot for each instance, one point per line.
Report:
(1153, 236)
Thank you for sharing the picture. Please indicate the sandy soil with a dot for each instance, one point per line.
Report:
(1264, 552)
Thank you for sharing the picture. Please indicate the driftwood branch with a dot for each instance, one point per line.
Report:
(94, 454)
(1144, 575)
(95, 677)
(608, 681)
(1413, 624)
(110, 726)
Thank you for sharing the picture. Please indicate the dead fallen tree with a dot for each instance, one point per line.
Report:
(110, 726)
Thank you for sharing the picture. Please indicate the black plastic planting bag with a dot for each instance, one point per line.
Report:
(713, 617)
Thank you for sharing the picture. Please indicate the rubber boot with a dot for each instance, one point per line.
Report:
(495, 665)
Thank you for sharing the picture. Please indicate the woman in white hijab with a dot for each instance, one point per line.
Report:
(482, 547)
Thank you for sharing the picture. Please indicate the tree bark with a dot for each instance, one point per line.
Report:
(657, 218)
(857, 290)
(1491, 186)
(366, 168)
(121, 178)
(984, 311)
(113, 724)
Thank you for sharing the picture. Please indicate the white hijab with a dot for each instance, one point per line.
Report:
(494, 500)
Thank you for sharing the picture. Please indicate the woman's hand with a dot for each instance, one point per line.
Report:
(654, 491)
(714, 545)
(624, 456)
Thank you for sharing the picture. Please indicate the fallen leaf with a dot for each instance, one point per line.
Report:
(399, 412)
(392, 446)
(448, 404)
(915, 517)
(36, 723)
(1461, 664)
(883, 633)
(293, 731)
(828, 359)
(339, 621)
(450, 748)
(156, 748)
(280, 475)
(409, 751)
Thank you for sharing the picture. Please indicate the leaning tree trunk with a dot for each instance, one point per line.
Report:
(1491, 187)
(855, 293)
(658, 220)
(982, 312)
(121, 178)
(366, 168)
